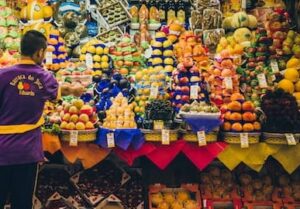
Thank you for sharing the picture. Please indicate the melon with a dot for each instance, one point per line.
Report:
(242, 35)
(240, 19)
(252, 21)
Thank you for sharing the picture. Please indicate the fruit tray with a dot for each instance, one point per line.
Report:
(99, 182)
(278, 138)
(188, 195)
(235, 138)
(82, 136)
(192, 137)
(156, 135)
(111, 36)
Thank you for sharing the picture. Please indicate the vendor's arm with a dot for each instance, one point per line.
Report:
(52, 90)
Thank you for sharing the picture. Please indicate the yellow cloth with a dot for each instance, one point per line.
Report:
(254, 156)
(19, 129)
(51, 143)
(89, 154)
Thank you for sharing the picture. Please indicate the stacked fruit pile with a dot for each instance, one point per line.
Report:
(120, 114)
(95, 56)
(291, 44)
(240, 116)
(127, 57)
(56, 55)
(77, 115)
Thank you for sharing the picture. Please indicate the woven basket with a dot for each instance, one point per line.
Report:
(155, 136)
(83, 136)
(192, 137)
(277, 138)
(234, 138)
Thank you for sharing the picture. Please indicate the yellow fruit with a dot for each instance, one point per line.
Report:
(63, 125)
(104, 65)
(96, 58)
(74, 118)
(291, 74)
(82, 57)
(138, 76)
(83, 49)
(104, 58)
(293, 63)
(78, 103)
(223, 42)
(99, 50)
(238, 49)
(297, 95)
(80, 126)
(286, 85)
(89, 125)
(106, 50)
(297, 86)
(47, 11)
(91, 49)
(70, 126)
(137, 109)
(97, 65)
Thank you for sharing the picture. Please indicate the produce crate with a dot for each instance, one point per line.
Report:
(278, 138)
(158, 192)
(82, 136)
(262, 205)
(99, 182)
(222, 204)
(234, 138)
(110, 36)
(156, 135)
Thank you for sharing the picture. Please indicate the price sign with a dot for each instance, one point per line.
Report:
(201, 138)
(165, 137)
(244, 140)
(89, 60)
(194, 92)
(244, 4)
(154, 92)
(158, 125)
(110, 140)
(290, 139)
(274, 66)
(49, 58)
(74, 138)
(262, 80)
(228, 83)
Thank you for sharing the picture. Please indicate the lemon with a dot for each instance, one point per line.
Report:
(291, 74)
(104, 58)
(82, 57)
(91, 49)
(96, 58)
(97, 65)
(297, 86)
(297, 96)
(286, 85)
(105, 50)
(99, 50)
(293, 63)
(104, 65)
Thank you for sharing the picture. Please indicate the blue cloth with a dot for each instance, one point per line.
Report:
(202, 123)
(124, 138)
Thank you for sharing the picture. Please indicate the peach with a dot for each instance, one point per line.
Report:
(63, 125)
(248, 127)
(227, 63)
(84, 118)
(248, 106)
(227, 115)
(73, 110)
(237, 97)
(226, 126)
(80, 126)
(70, 126)
(226, 73)
(235, 106)
(236, 116)
(237, 127)
(66, 117)
(74, 118)
(257, 126)
(249, 117)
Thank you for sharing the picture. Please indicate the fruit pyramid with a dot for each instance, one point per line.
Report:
(56, 55)
(240, 115)
(77, 115)
(188, 84)
(120, 114)
(96, 56)
(127, 57)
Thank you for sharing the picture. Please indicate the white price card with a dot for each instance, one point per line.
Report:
(194, 92)
(74, 138)
(49, 58)
(262, 80)
(244, 4)
(165, 137)
(89, 60)
(244, 140)
(153, 92)
(201, 138)
(110, 140)
(290, 139)
(158, 125)
(228, 83)
(274, 66)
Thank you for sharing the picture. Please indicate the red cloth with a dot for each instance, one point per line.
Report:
(130, 154)
(203, 156)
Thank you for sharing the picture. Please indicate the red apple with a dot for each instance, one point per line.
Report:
(183, 80)
(86, 109)
(185, 89)
(185, 98)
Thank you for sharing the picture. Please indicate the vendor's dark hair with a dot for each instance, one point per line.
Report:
(32, 41)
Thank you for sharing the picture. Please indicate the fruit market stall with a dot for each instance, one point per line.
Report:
(166, 104)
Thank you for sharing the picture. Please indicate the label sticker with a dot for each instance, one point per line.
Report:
(290, 139)
(274, 66)
(262, 80)
(228, 83)
(74, 138)
(89, 60)
(244, 140)
(49, 58)
(158, 125)
(153, 92)
(194, 92)
(110, 140)
(165, 138)
(201, 138)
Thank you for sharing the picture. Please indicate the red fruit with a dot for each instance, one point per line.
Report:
(26, 86)
(184, 80)
(185, 89)
(185, 98)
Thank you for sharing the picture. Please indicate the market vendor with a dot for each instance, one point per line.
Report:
(24, 89)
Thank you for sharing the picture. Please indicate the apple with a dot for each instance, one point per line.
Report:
(84, 118)
(89, 125)
(74, 118)
(185, 98)
(63, 125)
(80, 126)
(275, 26)
(86, 109)
(183, 80)
(70, 126)
(73, 110)
(66, 117)
(278, 35)
(277, 43)
(185, 89)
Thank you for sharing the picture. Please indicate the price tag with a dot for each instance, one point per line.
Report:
(73, 138)
(194, 92)
(262, 80)
(165, 137)
(290, 139)
(244, 4)
(49, 58)
(158, 125)
(153, 92)
(89, 60)
(201, 138)
(244, 140)
(274, 66)
(228, 83)
(110, 140)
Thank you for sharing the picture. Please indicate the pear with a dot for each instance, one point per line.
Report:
(291, 34)
(297, 39)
